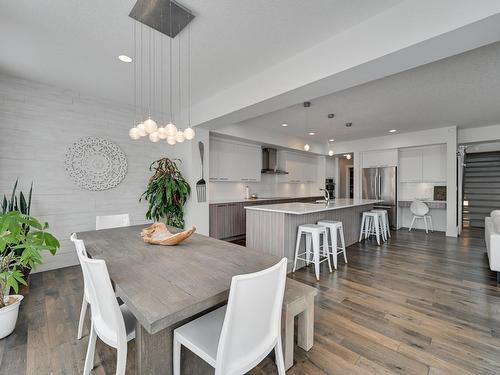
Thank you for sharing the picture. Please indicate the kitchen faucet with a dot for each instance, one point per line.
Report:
(326, 195)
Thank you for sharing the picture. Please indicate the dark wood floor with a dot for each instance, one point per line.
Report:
(419, 304)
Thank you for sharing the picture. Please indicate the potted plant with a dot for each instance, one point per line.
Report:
(19, 248)
(166, 193)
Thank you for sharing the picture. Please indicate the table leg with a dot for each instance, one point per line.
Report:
(287, 333)
(154, 354)
(305, 328)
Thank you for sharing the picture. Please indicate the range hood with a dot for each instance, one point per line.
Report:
(270, 162)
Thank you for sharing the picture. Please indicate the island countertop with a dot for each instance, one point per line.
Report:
(298, 208)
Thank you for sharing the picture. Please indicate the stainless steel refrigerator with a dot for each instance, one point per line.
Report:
(381, 184)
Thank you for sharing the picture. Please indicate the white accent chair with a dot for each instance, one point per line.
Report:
(370, 225)
(420, 211)
(495, 213)
(235, 338)
(115, 325)
(313, 234)
(112, 221)
(80, 249)
(334, 227)
(492, 239)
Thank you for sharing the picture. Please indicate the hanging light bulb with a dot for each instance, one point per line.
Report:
(171, 130)
(162, 133)
(330, 153)
(179, 137)
(134, 133)
(154, 137)
(142, 129)
(171, 140)
(306, 147)
(150, 126)
(189, 133)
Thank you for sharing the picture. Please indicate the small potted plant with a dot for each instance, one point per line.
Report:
(19, 248)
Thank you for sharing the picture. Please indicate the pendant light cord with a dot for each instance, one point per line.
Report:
(189, 75)
(135, 72)
(179, 80)
(170, 67)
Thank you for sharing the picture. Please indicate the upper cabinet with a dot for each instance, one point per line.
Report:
(426, 164)
(234, 161)
(380, 158)
(300, 168)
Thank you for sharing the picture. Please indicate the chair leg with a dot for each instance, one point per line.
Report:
(430, 221)
(315, 241)
(341, 230)
(89, 359)
(308, 248)
(177, 356)
(121, 360)
(280, 362)
(425, 223)
(82, 318)
(362, 228)
(412, 222)
(377, 229)
(388, 225)
(297, 246)
(325, 245)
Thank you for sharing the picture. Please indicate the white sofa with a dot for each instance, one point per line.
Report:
(492, 238)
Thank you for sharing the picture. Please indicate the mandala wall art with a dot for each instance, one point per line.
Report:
(96, 163)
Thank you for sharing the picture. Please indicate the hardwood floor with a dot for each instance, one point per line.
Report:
(419, 304)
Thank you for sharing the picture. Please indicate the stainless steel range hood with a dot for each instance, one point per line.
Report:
(270, 162)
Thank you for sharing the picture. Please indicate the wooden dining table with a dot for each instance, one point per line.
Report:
(168, 286)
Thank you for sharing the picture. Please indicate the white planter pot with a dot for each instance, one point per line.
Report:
(8, 316)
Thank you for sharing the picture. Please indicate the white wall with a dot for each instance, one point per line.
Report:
(39, 122)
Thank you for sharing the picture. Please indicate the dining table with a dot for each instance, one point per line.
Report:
(167, 286)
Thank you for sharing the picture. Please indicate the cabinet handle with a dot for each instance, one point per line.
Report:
(243, 179)
(224, 178)
(252, 179)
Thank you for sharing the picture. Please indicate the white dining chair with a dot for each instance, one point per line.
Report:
(80, 249)
(112, 221)
(420, 212)
(495, 213)
(235, 338)
(113, 324)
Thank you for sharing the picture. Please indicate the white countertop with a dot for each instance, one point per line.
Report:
(297, 208)
(421, 200)
(241, 200)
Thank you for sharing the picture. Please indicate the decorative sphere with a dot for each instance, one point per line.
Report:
(134, 133)
(189, 133)
(330, 153)
(154, 137)
(162, 133)
(142, 129)
(171, 140)
(150, 126)
(180, 136)
(306, 147)
(171, 130)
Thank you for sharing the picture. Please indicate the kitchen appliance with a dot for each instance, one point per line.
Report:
(330, 187)
(381, 184)
(270, 162)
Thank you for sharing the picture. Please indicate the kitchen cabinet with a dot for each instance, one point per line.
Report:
(300, 168)
(235, 162)
(380, 158)
(425, 164)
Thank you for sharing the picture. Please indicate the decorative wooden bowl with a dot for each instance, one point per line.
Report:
(158, 234)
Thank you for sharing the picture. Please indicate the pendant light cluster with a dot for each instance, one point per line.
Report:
(156, 132)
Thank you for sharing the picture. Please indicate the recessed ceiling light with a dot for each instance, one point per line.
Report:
(312, 133)
(331, 115)
(284, 125)
(392, 131)
(331, 140)
(348, 124)
(125, 58)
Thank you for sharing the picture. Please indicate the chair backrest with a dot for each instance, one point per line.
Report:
(107, 318)
(252, 324)
(81, 252)
(495, 213)
(419, 208)
(112, 221)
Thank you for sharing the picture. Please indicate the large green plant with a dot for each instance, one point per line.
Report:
(166, 193)
(21, 248)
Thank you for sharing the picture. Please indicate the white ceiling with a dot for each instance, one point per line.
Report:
(462, 90)
(74, 44)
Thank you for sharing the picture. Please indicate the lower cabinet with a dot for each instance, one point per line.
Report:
(228, 220)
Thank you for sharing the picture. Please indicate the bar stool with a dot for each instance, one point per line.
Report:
(370, 226)
(313, 233)
(384, 222)
(333, 227)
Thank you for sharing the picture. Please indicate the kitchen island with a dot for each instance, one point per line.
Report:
(272, 228)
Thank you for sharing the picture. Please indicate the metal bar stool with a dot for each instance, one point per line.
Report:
(333, 227)
(370, 226)
(313, 233)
